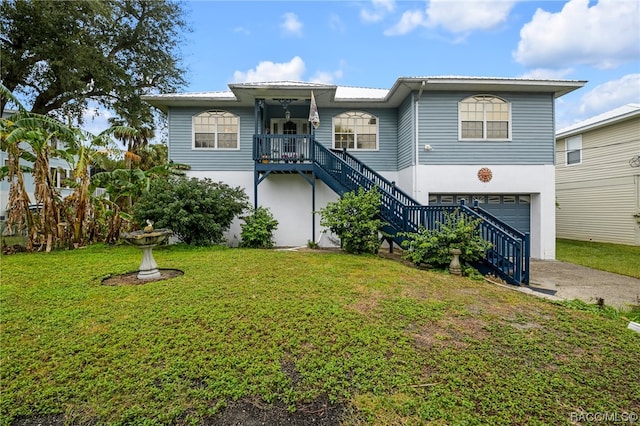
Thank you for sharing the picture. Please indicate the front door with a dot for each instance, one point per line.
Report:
(278, 126)
(292, 147)
(290, 128)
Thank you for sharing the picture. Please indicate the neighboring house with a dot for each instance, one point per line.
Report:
(598, 178)
(439, 140)
(60, 171)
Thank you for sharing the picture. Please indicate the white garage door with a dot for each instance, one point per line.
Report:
(514, 209)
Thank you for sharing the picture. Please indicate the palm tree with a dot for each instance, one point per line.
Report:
(33, 138)
(80, 202)
(133, 142)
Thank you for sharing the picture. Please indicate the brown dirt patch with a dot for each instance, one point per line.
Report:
(131, 278)
(247, 412)
(251, 413)
(454, 332)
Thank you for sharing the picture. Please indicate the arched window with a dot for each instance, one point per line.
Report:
(355, 130)
(484, 117)
(215, 130)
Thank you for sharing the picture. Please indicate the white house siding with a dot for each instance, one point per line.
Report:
(598, 198)
(536, 181)
(289, 198)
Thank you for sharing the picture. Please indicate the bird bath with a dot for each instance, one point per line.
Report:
(146, 240)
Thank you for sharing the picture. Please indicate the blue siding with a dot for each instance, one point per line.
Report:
(406, 126)
(180, 142)
(532, 131)
(532, 134)
(386, 157)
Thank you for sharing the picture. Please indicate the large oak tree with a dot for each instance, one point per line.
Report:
(58, 55)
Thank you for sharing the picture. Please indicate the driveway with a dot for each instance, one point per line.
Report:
(561, 280)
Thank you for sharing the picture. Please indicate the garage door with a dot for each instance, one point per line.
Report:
(514, 209)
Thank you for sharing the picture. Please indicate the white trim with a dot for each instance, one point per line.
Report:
(193, 133)
(577, 138)
(355, 141)
(300, 123)
(538, 181)
(484, 122)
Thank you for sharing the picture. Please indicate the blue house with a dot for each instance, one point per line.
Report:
(428, 143)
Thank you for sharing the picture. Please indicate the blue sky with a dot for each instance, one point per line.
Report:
(372, 43)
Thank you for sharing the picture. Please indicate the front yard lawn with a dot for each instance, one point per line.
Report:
(617, 258)
(380, 342)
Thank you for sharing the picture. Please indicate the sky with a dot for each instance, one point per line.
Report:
(373, 43)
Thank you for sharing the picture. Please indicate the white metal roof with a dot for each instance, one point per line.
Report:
(244, 94)
(618, 114)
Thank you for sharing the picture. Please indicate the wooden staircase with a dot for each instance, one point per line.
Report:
(509, 256)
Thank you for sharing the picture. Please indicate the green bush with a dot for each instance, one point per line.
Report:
(197, 210)
(432, 246)
(257, 229)
(354, 219)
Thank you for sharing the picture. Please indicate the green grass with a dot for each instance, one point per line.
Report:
(617, 258)
(394, 344)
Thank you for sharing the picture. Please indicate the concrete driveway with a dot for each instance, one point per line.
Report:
(560, 280)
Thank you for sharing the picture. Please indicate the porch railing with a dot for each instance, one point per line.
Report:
(509, 255)
(282, 148)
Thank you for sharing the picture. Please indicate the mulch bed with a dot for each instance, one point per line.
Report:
(131, 278)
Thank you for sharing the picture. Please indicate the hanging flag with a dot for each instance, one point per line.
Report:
(314, 117)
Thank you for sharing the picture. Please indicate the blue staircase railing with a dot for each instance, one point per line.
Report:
(509, 256)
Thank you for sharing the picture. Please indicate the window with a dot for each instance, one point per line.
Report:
(478, 198)
(574, 150)
(355, 130)
(60, 177)
(484, 117)
(215, 130)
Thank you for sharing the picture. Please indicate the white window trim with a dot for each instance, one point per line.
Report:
(193, 134)
(484, 125)
(355, 148)
(577, 138)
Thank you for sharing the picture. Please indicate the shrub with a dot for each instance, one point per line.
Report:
(257, 231)
(197, 210)
(354, 219)
(432, 246)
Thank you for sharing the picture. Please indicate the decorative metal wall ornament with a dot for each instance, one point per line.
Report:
(485, 174)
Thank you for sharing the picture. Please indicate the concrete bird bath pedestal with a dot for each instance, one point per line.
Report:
(146, 240)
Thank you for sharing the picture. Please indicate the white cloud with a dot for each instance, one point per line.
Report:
(95, 119)
(458, 17)
(604, 35)
(379, 10)
(408, 22)
(611, 94)
(467, 16)
(291, 24)
(242, 30)
(336, 24)
(271, 71)
(572, 109)
(328, 77)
